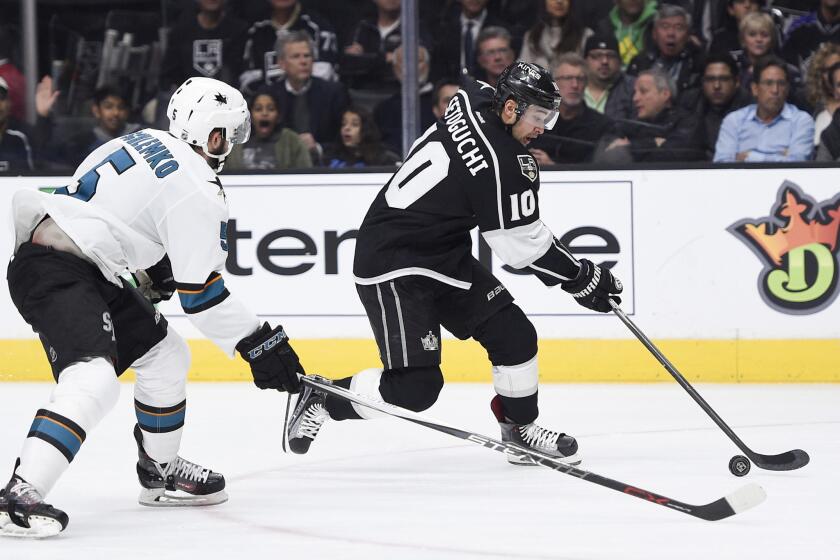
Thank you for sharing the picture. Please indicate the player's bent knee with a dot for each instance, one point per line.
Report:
(414, 388)
(508, 336)
(86, 391)
(162, 372)
(176, 352)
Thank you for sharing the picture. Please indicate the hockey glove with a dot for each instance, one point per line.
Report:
(593, 286)
(156, 283)
(274, 364)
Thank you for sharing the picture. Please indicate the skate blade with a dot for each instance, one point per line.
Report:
(526, 461)
(158, 497)
(39, 527)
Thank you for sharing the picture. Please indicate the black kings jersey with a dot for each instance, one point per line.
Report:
(465, 171)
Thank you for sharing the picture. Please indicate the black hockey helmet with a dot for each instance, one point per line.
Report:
(527, 84)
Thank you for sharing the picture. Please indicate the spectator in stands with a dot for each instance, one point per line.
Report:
(358, 143)
(15, 83)
(518, 16)
(663, 132)
(494, 53)
(703, 14)
(443, 92)
(807, 33)
(388, 114)
(260, 58)
(726, 37)
(609, 90)
(456, 39)
(311, 106)
(111, 110)
(820, 90)
(578, 128)
(368, 61)
(271, 147)
(829, 146)
(770, 129)
(759, 39)
(555, 32)
(719, 96)
(671, 50)
(15, 149)
(591, 12)
(630, 23)
(207, 43)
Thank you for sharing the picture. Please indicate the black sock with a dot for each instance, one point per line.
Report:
(340, 409)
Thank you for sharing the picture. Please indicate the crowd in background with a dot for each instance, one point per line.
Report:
(641, 80)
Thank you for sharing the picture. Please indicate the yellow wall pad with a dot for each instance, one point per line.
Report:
(583, 361)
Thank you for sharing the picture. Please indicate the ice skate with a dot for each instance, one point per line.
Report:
(306, 420)
(532, 436)
(23, 512)
(177, 483)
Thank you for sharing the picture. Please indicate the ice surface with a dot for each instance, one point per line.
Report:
(391, 489)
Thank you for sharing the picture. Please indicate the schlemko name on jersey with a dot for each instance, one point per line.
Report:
(153, 151)
(461, 133)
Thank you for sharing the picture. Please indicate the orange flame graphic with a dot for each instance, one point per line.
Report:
(798, 231)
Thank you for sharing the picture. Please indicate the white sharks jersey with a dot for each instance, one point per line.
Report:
(137, 198)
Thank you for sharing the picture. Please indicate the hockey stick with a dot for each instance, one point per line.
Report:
(787, 461)
(740, 500)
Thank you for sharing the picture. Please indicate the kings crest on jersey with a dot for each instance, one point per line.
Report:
(464, 171)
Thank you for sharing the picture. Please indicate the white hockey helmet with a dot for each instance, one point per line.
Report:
(201, 105)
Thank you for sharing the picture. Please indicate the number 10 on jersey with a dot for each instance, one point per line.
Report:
(522, 205)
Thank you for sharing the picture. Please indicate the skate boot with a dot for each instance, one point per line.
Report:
(177, 483)
(530, 436)
(306, 420)
(23, 512)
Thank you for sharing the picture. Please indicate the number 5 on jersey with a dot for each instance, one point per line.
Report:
(85, 187)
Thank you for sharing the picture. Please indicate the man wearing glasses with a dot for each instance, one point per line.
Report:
(770, 129)
(494, 53)
(579, 128)
(719, 96)
(608, 89)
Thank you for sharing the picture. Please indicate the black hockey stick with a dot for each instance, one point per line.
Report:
(787, 461)
(740, 500)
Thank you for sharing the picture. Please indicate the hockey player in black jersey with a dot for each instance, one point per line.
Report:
(414, 268)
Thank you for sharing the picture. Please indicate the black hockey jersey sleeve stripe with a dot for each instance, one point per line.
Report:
(556, 265)
(196, 298)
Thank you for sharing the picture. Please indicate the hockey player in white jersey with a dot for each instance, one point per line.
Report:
(148, 203)
(414, 269)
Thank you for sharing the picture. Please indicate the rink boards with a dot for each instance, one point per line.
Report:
(734, 273)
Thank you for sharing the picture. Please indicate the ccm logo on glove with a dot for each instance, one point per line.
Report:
(278, 337)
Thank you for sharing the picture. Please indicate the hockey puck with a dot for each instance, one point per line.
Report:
(739, 465)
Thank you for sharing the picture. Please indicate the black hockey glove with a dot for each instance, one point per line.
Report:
(156, 283)
(593, 286)
(274, 364)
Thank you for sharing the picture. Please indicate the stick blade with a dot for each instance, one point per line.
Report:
(787, 461)
(746, 497)
(742, 499)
